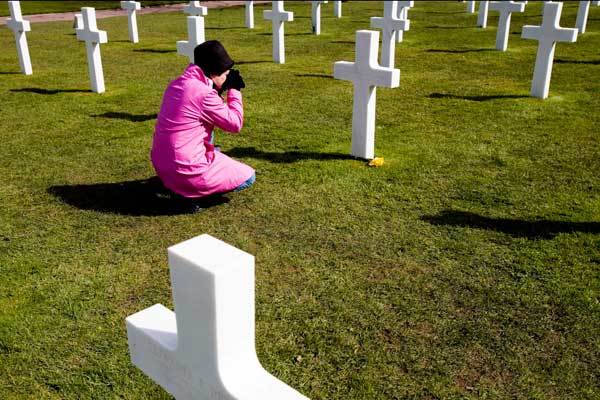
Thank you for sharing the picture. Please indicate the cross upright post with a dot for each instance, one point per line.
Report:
(482, 16)
(547, 34)
(93, 38)
(278, 16)
(582, 14)
(195, 37)
(19, 26)
(316, 15)
(471, 7)
(206, 348)
(505, 8)
(403, 7)
(390, 24)
(249, 14)
(366, 75)
(337, 8)
(132, 7)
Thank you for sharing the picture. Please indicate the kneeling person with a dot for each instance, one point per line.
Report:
(183, 153)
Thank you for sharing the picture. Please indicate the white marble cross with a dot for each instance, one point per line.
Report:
(482, 16)
(471, 7)
(278, 16)
(249, 14)
(582, 14)
(366, 75)
(403, 7)
(390, 24)
(316, 15)
(206, 348)
(93, 37)
(195, 37)
(195, 9)
(78, 21)
(337, 8)
(547, 34)
(131, 7)
(505, 8)
(19, 26)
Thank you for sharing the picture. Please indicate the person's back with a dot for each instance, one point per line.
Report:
(182, 152)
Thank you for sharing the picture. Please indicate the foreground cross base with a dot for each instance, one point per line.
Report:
(205, 350)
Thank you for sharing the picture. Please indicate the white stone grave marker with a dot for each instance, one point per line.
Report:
(19, 26)
(131, 7)
(316, 15)
(482, 16)
(195, 9)
(390, 24)
(337, 8)
(366, 75)
(471, 7)
(582, 14)
(505, 8)
(547, 34)
(206, 348)
(249, 14)
(278, 16)
(78, 21)
(403, 7)
(93, 38)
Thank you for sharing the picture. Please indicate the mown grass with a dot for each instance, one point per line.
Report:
(44, 7)
(466, 267)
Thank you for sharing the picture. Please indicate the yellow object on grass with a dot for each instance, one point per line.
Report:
(376, 162)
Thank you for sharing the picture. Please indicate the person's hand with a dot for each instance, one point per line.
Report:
(234, 80)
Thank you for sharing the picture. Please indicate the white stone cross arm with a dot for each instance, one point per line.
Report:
(206, 349)
(19, 26)
(366, 74)
(195, 9)
(93, 37)
(547, 34)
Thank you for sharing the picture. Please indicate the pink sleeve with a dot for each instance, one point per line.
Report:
(227, 116)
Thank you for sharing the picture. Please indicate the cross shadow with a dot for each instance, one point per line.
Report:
(563, 61)
(315, 76)
(9, 73)
(540, 229)
(440, 12)
(476, 98)
(252, 62)
(445, 27)
(343, 41)
(144, 197)
(287, 156)
(216, 28)
(127, 116)
(50, 91)
(458, 51)
(159, 51)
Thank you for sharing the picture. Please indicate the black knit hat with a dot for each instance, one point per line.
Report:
(212, 57)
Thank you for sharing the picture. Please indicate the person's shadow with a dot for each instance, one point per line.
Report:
(540, 229)
(143, 197)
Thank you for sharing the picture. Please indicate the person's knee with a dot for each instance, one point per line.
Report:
(249, 182)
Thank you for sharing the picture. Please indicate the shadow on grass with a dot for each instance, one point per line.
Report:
(50, 91)
(458, 51)
(157, 51)
(144, 197)
(127, 116)
(216, 28)
(445, 27)
(315, 76)
(287, 34)
(252, 62)
(541, 229)
(8, 73)
(343, 41)
(563, 61)
(476, 98)
(285, 157)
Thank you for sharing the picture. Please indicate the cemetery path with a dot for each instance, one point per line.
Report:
(69, 16)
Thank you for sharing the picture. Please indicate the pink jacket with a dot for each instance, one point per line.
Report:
(181, 153)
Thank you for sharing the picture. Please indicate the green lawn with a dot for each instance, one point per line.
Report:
(42, 7)
(468, 266)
